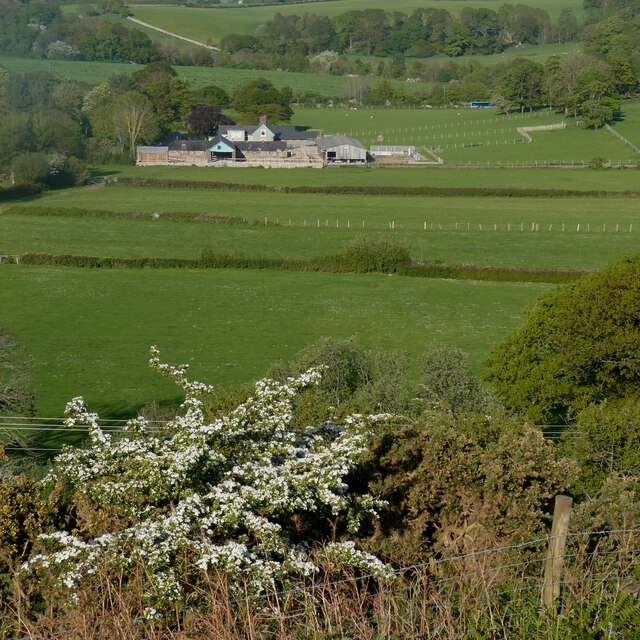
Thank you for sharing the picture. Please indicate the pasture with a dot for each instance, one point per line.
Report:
(629, 126)
(211, 24)
(473, 136)
(92, 73)
(480, 244)
(578, 233)
(88, 331)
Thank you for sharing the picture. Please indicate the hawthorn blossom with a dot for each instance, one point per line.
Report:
(220, 489)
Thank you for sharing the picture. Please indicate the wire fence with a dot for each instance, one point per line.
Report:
(19, 434)
(461, 226)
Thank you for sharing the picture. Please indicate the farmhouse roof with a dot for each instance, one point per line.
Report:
(284, 132)
(224, 129)
(276, 145)
(330, 142)
(190, 145)
(143, 149)
(217, 139)
(289, 132)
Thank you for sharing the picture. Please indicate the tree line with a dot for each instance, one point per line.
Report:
(50, 128)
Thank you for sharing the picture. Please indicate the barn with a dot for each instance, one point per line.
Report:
(152, 155)
(342, 150)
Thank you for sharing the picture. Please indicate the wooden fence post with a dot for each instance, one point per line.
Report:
(554, 567)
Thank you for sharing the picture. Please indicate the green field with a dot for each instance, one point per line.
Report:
(452, 132)
(196, 77)
(88, 331)
(210, 25)
(486, 231)
(629, 127)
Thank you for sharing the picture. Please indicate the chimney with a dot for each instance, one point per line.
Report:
(263, 119)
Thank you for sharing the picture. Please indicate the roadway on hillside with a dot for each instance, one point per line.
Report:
(173, 35)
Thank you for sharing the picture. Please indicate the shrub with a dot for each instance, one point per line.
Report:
(381, 256)
(247, 495)
(354, 377)
(606, 442)
(447, 494)
(447, 383)
(20, 191)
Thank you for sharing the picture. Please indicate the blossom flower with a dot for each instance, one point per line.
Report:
(220, 489)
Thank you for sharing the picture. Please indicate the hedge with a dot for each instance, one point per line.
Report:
(340, 263)
(502, 192)
(71, 212)
(21, 191)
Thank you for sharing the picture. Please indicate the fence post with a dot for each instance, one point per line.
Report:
(555, 566)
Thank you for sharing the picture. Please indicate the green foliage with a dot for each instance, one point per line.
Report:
(595, 113)
(448, 384)
(613, 507)
(353, 378)
(20, 191)
(607, 441)
(31, 168)
(448, 494)
(215, 96)
(54, 170)
(382, 256)
(260, 98)
(578, 345)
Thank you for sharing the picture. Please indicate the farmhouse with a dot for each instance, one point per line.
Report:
(268, 133)
(256, 145)
(342, 150)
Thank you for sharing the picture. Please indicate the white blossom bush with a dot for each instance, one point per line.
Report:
(222, 490)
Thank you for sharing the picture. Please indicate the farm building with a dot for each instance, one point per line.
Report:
(152, 155)
(190, 152)
(220, 151)
(342, 150)
(265, 133)
(408, 152)
(259, 145)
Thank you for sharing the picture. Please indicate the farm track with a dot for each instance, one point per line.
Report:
(173, 35)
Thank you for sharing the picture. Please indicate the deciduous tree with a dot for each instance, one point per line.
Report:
(204, 121)
(578, 345)
(133, 119)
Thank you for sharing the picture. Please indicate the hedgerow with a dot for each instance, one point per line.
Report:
(21, 191)
(77, 212)
(353, 261)
(505, 192)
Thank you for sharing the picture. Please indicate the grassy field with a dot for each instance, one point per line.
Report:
(93, 329)
(629, 127)
(119, 238)
(451, 133)
(478, 230)
(94, 72)
(210, 25)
